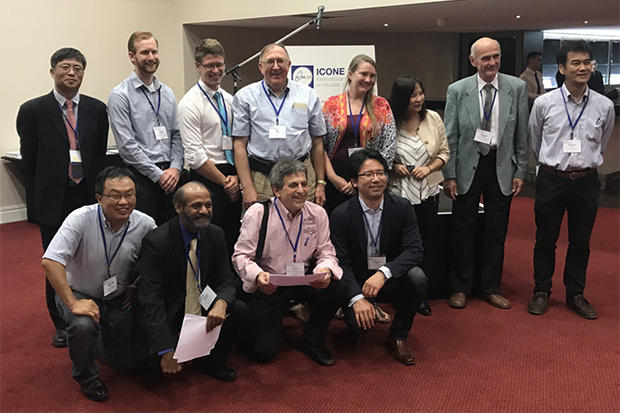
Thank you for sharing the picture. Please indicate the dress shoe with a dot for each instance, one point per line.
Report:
(60, 339)
(425, 308)
(381, 316)
(221, 372)
(457, 300)
(339, 314)
(301, 314)
(538, 304)
(496, 300)
(400, 350)
(94, 390)
(316, 353)
(581, 306)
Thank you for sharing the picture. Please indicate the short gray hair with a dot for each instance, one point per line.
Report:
(283, 169)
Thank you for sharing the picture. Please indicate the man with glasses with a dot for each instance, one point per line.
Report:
(63, 138)
(89, 264)
(379, 249)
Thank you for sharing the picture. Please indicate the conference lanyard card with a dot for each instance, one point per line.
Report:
(374, 263)
(109, 286)
(75, 156)
(160, 133)
(277, 132)
(483, 136)
(354, 149)
(295, 269)
(207, 297)
(571, 146)
(227, 143)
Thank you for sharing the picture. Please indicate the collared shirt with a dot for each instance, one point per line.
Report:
(314, 242)
(494, 111)
(254, 115)
(62, 100)
(132, 120)
(549, 128)
(201, 130)
(78, 246)
(529, 76)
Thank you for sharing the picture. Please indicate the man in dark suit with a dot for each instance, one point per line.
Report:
(176, 258)
(53, 129)
(486, 122)
(379, 248)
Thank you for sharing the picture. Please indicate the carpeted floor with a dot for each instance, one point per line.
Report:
(479, 359)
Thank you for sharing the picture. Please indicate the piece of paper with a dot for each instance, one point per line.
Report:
(290, 280)
(194, 340)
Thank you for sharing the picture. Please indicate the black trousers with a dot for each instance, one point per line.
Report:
(152, 200)
(579, 198)
(333, 196)
(426, 215)
(464, 217)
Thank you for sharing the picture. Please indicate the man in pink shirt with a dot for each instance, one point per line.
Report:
(297, 242)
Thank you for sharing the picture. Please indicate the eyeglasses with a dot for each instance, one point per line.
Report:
(117, 197)
(211, 66)
(67, 68)
(272, 62)
(371, 174)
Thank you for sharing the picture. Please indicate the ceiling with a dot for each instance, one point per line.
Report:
(459, 16)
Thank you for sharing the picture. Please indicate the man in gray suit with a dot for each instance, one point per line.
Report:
(486, 119)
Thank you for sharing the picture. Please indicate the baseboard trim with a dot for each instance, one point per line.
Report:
(13, 215)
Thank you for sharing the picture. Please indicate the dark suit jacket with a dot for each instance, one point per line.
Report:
(45, 150)
(163, 271)
(400, 240)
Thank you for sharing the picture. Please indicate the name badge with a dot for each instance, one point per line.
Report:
(277, 132)
(374, 263)
(571, 146)
(75, 156)
(483, 136)
(227, 143)
(109, 286)
(161, 134)
(295, 269)
(353, 150)
(207, 297)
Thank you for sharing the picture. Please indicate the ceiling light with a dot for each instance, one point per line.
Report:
(585, 22)
(518, 16)
(386, 25)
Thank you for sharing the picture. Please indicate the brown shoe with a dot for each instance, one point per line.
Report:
(301, 314)
(400, 350)
(457, 300)
(381, 316)
(496, 300)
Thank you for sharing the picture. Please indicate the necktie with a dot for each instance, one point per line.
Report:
(192, 306)
(75, 169)
(537, 83)
(486, 122)
(225, 130)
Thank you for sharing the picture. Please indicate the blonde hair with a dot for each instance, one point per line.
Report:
(369, 98)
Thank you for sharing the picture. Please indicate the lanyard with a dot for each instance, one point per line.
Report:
(75, 130)
(158, 103)
(273, 105)
(488, 116)
(375, 240)
(301, 220)
(105, 244)
(223, 118)
(356, 126)
(570, 122)
(196, 273)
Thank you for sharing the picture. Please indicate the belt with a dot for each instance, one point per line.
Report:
(264, 166)
(572, 175)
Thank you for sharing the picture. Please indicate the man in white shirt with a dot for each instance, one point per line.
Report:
(532, 76)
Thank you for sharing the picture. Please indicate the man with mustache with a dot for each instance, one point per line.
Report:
(143, 117)
(182, 260)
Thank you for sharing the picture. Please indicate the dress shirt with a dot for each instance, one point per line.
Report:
(549, 128)
(314, 242)
(529, 77)
(201, 130)
(494, 110)
(254, 115)
(79, 248)
(132, 119)
(62, 100)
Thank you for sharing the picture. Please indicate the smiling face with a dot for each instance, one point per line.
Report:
(118, 200)
(67, 75)
(211, 70)
(196, 214)
(416, 100)
(371, 187)
(487, 58)
(146, 57)
(363, 78)
(294, 192)
(274, 65)
(577, 69)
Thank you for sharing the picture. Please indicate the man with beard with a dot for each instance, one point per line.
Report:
(143, 116)
(180, 261)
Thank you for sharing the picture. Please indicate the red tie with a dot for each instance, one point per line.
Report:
(71, 122)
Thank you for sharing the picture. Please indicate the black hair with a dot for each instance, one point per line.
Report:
(532, 55)
(67, 53)
(179, 195)
(402, 89)
(112, 172)
(571, 46)
(359, 157)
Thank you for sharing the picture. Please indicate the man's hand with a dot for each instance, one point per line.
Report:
(372, 285)
(364, 313)
(87, 308)
(319, 194)
(517, 185)
(169, 180)
(170, 366)
(449, 188)
(217, 315)
(131, 297)
(250, 196)
(262, 280)
(323, 282)
(231, 187)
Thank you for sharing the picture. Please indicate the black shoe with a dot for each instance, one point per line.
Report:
(538, 304)
(581, 306)
(316, 353)
(94, 390)
(221, 372)
(60, 339)
(425, 308)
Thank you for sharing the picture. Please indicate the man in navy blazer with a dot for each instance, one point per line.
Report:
(43, 130)
(379, 248)
(486, 119)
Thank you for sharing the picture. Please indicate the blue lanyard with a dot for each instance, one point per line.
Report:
(273, 105)
(488, 116)
(158, 103)
(105, 244)
(570, 122)
(375, 240)
(75, 130)
(356, 127)
(225, 117)
(301, 220)
(196, 273)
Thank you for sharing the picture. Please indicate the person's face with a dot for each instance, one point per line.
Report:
(196, 214)
(146, 58)
(593, 66)
(211, 70)
(416, 100)
(537, 63)
(294, 192)
(364, 78)
(275, 66)
(487, 60)
(68, 75)
(373, 185)
(118, 199)
(577, 69)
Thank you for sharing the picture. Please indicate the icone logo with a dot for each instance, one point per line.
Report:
(303, 74)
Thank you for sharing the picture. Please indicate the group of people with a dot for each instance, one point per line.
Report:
(280, 186)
